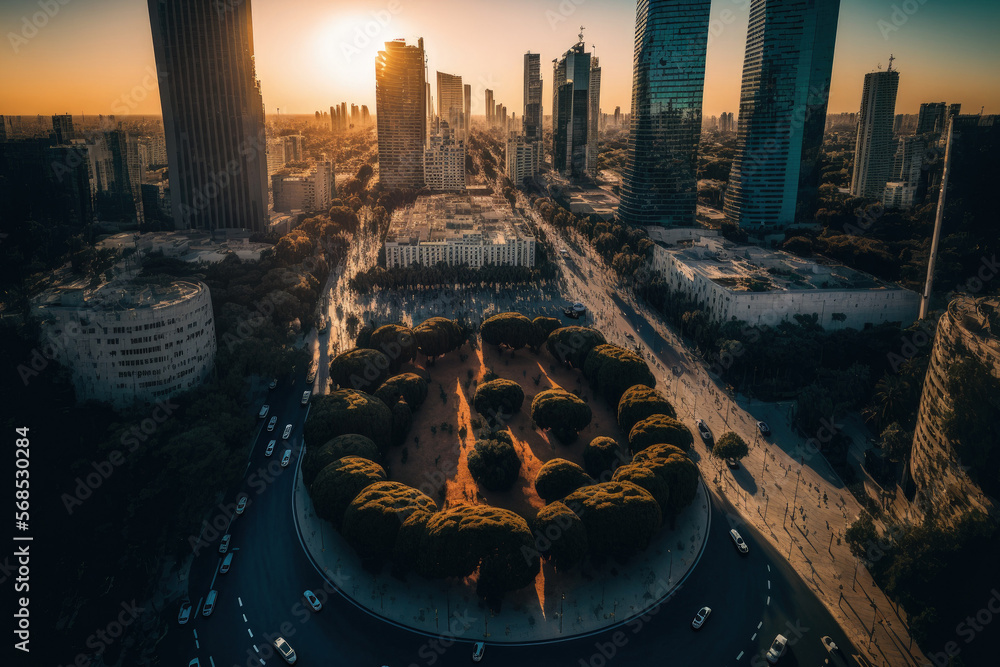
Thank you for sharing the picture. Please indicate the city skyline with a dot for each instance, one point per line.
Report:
(332, 57)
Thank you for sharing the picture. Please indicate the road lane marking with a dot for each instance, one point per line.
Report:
(197, 644)
(195, 633)
(249, 632)
(211, 661)
(240, 600)
(740, 655)
(769, 599)
(754, 636)
(768, 568)
(255, 648)
(760, 624)
(244, 618)
(768, 584)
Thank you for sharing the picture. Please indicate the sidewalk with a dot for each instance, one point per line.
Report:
(559, 606)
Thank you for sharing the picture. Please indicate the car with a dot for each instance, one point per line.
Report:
(227, 563)
(194, 663)
(477, 651)
(777, 649)
(185, 613)
(701, 617)
(224, 544)
(271, 424)
(830, 645)
(630, 336)
(263, 411)
(741, 546)
(305, 397)
(241, 505)
(209, 603)
(272, 384)
(703, 431)
(285, 650)
(270, 448)
(287, 432)
(312, 600)
(286, 457)
(733, 463)
(764, 429)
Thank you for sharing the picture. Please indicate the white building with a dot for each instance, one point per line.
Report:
(459, 229)
(764, 287)
(444, 161)
(275, 155)
(126, 342)
(523, 158)
(308, 190)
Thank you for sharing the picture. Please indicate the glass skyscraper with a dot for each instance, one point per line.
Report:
(532, 116)
(402, 108)
(659, 181)
(774, 180)
(570, 110)
(874, 149)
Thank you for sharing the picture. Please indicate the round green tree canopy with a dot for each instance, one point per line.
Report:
(372, 520)
(730, 446)
(438, 335)
(348, 411)
(565, 413)
(572, 344)
(640, 401)
(647, 478)
(409, 387)
(396, 342)
(676, 469)
(560, 535)
(494, 464)
(614, 369)
(543, 327)
(558, 478)
(601, 456)
(620, 517)
(659, 429)
(350, 444)
(360, 369)
(339, 483)
(498, 399)
(511, 329)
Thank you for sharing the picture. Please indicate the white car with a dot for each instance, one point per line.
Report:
(194, 663)
(270, 448)
(312, 600)
(477, 651)
(305, 397)
(184, 614)
(263, 411)
(285, 650)
(224, 544)
(286, 457)
(227, 563)
(241, 505)
(777, 649)
(741, 546)
(272, 423)
(287, 432)
(830, 645)
(701, 617)
(703, 431)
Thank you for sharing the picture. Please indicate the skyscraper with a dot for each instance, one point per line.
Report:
(774, 180)
(62, 128)
(213, 114)
(931, 118)
(659, 181)
(400, 113)
(489, 108)
(467, 93)
(451, 102)
(532, 114)
(873, 151)
(571, 106)
(593, 124)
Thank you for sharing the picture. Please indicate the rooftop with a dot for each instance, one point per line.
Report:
(118, 295)
(441, 218)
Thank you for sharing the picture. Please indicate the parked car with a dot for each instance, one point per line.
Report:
(263, 411)
(185, 613)
(224, 544)
(286, 457)
(305, 397)
(741, 546)
(312, 600)
(270, 448)
(703, 431)
(477, 651)
(285, 650)
(764, 429)
(241, 505)
(701, 617)
(777, 649)
(830, 645)
(287, 432)
(271, 424)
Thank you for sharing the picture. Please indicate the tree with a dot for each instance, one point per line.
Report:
(895, 442)
(361, 369)
(560, 535)
(639, 402)
(620, 518)
(396, 342)
(557, 478)
(861, 536)
(494, 463)
(565, 413)
(730, 446)
(543, 326)
(350, 444)
(647, 477)
(659, 429)
(612, 370)
(513, 330)
(677, 470)
(348, 411)
(408, 387)
(436, 336)
(973, 423)
(498, 399)
(600, 457)
(372, 520)
(339, 483)
(570, 345)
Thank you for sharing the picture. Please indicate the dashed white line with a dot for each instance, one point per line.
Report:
(249, 632)
(195, 633)
(244, 618)
(768, 584)
(211, 661)
(769, 599)
(768, 568)
(197, 644)
(754, 636)
(740, 655)
(760, 624)
(255, 648)
(240, 600)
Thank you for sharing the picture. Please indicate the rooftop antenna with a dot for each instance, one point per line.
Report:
(891, 58)
(581, 33)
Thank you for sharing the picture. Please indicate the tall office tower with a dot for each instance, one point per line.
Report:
(345, 120)
(498, 120)
(593, 119)
(873, 150)
(451, 102)
(467, 108)
(659, 182)
(532, 112)
(570, 111)
(932, 118)
(333, 119)
(975, 172)
(907, 181)
(489, 108)
(400, 113)
(213, 114)
(355, 116)
(62, 128)
(365, 116)
(774, 179)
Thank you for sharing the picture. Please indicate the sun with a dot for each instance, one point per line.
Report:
(346, 46)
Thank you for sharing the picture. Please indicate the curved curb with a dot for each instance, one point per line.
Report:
(646, 610)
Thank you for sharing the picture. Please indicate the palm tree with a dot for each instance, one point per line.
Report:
(889, 402)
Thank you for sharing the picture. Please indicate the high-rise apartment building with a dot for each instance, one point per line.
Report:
(213, 113)
(932, 117)
(593, 121)
(906, 180)
(467, 106)
(774, 180)
(659, 182)
(873, 151)
(532, 114)
(62, 128)
(489, 108)
(451, 102)
(571, 107)
(310, 189)
(401, 108)
(444, 160)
